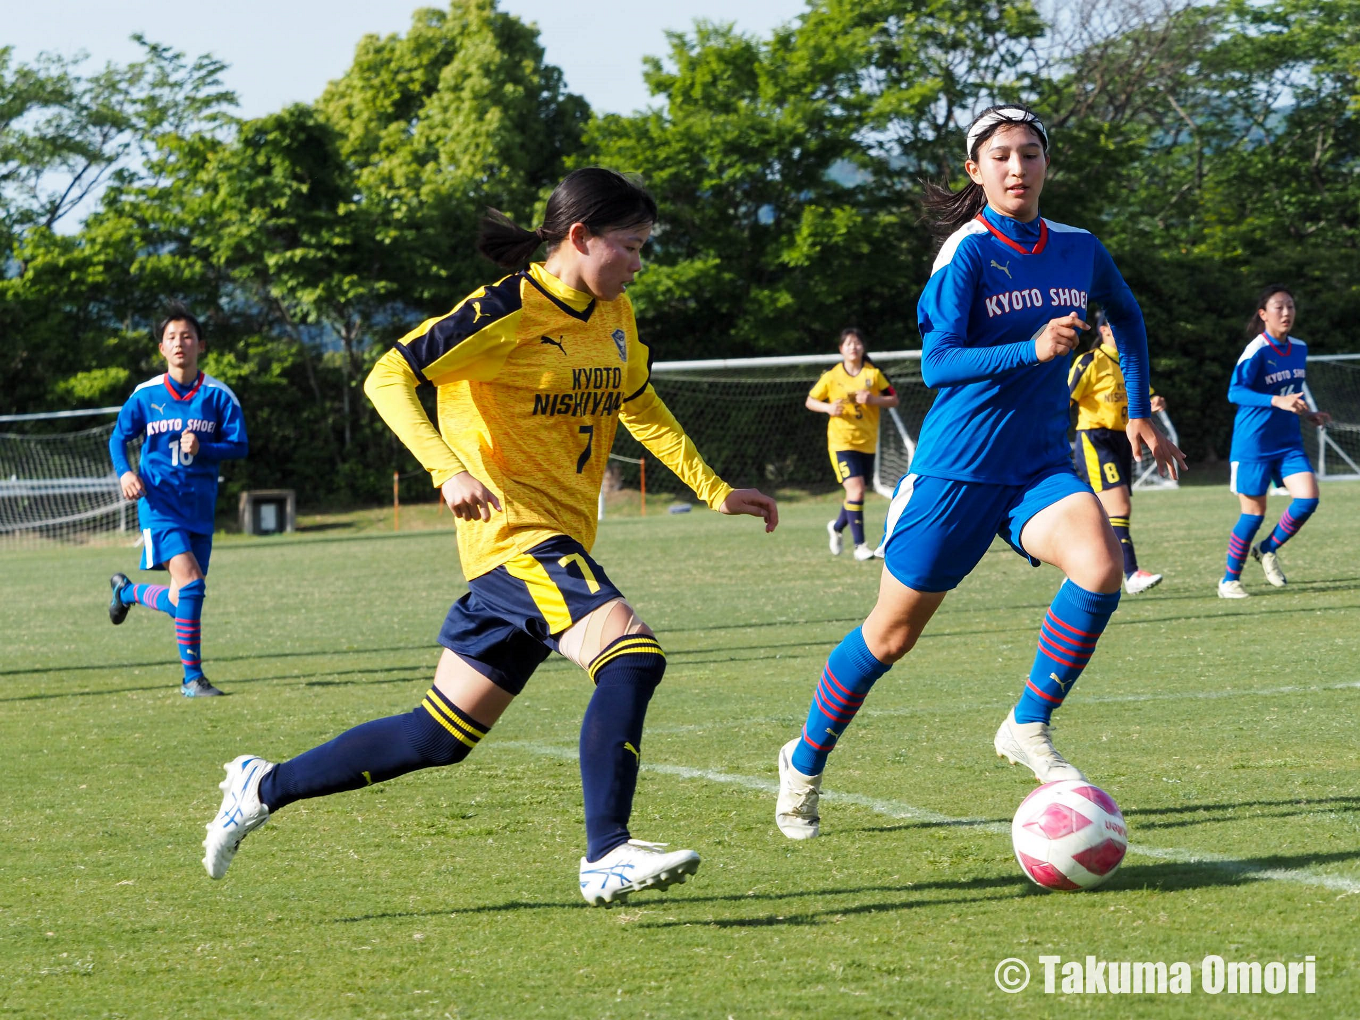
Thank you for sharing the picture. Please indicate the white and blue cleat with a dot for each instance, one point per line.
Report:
(240, 815)
(632, 867)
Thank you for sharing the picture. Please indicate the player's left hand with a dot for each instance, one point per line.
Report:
(188, 443)
(1142, 433)
(1317, 418)
(1158, 404)
(752, 502)
(862, 396)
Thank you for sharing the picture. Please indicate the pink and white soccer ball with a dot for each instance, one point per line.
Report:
(1069, 835)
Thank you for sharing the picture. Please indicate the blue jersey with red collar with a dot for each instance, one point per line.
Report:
(1001, 416)
(1267, 368)
(181, 490)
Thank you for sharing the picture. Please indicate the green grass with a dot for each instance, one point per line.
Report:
(1225, 730)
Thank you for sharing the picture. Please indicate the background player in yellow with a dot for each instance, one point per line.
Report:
(533, 375)
(851, 393)
(1103, 454)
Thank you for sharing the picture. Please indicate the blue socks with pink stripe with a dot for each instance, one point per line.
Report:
(188, 616)
(153, 596)
(1239, 544)
(1067, 640)
(849, 674)
(1294, 517)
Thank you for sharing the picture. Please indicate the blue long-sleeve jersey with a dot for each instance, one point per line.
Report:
(1267, 368)
(181, 491)
(1000, 415)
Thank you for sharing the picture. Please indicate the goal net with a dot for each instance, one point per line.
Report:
(1334, 386)
(60, 485)
(746, 416)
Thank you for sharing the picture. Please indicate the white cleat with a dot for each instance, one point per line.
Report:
(240, 815)
(795, 812)
(632, 867)
(1232, 590)
(1270, 563)
(837, 542)
(1141, 581)
(863, 552)
(1030, 744)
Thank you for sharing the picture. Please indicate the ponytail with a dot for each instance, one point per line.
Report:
(948, 210)
(601, 199)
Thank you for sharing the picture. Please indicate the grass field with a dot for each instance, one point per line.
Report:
(1227, 732)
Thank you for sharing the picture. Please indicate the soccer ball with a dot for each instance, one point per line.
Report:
(1069, 835)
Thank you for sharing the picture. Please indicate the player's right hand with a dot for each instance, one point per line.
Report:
(131, 485)
(1059, 337)
(1292, 402)
(468, 498)
(835, 408)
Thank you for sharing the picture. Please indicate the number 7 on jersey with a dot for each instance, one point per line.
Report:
(589, 432)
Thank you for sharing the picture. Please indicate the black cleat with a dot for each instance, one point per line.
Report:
(118, 610)
(200, 688)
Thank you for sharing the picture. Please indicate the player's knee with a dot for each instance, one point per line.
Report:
(442, 733)
(635, 659)
(588, 637)
(197, 588)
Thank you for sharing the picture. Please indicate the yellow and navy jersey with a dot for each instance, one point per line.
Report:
(532, 379)
(856, 428)
(1096, 385)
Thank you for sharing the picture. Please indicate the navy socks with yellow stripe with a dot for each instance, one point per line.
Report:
(626, 673)
(436, 732)
(1121, 532)
(854, 512)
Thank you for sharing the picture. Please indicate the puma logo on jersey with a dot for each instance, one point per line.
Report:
(556, 343)
(158, 408)
(1005, 269)
(477, 309)
(1062, 684)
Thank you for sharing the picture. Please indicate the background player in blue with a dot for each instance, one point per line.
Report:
(1267, 441)
(191, 423)
(998, 317)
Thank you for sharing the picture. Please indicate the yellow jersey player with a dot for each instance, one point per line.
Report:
(1103, 454)
(533, 375)
(851, 394)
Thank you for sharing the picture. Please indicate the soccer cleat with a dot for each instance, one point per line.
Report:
(1270, 563)
(200, 688)
(863, 552)
(118, 609)
(1140, 581)
(240, 815)
(633, 866)
(1232, 590)
(1031, 745)
(795, 811)
(837, 542)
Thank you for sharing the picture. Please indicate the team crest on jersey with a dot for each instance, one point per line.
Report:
(621, 342)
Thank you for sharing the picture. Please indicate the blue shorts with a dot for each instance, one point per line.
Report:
(1254, 477)
(161, 544)
(852, 464)
(938, 529)
(509, 620)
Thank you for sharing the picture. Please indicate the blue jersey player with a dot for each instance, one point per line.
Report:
(1267, 440)
(190, 423)
(999, 316)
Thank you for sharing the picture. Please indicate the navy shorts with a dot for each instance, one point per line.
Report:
(1254, 477)
(161, 544)
(938, 529)
(852, 464)
(1104, 458)
(511, 617)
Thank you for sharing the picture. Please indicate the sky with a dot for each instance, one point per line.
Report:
(285, 51)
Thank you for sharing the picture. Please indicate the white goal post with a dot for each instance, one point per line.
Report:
(747, 417)
(1334, 385)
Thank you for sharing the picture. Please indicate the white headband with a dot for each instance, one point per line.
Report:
(1004, 115)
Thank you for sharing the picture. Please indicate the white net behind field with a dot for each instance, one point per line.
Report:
(748, 420)
(61, 487)
(1334, 386)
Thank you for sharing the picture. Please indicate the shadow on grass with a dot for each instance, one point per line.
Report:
(302, 679)
(111, 666)
(1210, 814)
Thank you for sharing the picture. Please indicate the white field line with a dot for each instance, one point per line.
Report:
(897, 809)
